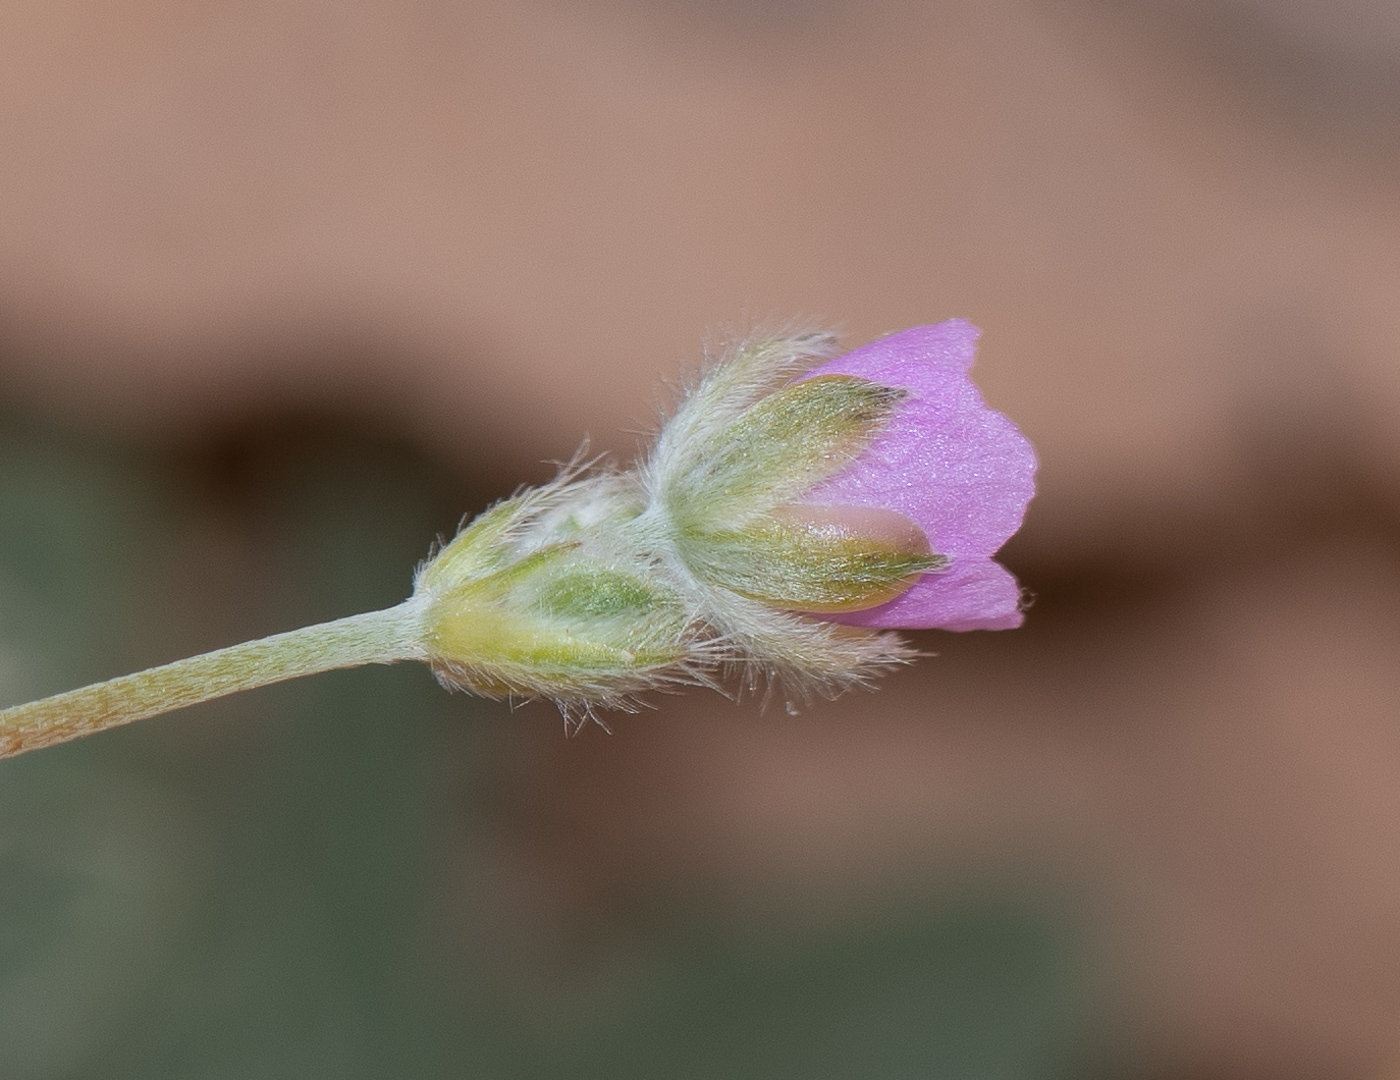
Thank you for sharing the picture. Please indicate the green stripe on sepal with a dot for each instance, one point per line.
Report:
(554, 622)
(815, 558)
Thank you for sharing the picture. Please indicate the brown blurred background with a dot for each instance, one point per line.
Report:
(466, 234)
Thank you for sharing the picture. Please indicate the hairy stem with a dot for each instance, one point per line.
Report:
(375, 637)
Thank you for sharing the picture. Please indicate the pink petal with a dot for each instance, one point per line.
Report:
(959, 469)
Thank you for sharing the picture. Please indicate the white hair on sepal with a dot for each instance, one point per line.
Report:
(744, 373)
(797, 655)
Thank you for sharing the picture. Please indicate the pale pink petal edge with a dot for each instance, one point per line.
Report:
(974, 593)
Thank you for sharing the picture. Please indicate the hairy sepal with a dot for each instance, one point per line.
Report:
(542, 596)
(815, 559)
(798, 657)
(772, 453)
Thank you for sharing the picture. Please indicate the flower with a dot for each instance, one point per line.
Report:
(795, 508)
(959, 470)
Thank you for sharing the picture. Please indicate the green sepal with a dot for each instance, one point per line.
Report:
(777, 449)
(806, 566)
(477, 550)
(555, 621)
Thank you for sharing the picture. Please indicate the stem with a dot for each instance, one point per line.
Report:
(375, 637)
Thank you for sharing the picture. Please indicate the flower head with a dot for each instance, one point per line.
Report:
(794, 508)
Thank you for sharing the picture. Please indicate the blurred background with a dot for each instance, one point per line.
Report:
(286, 288)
